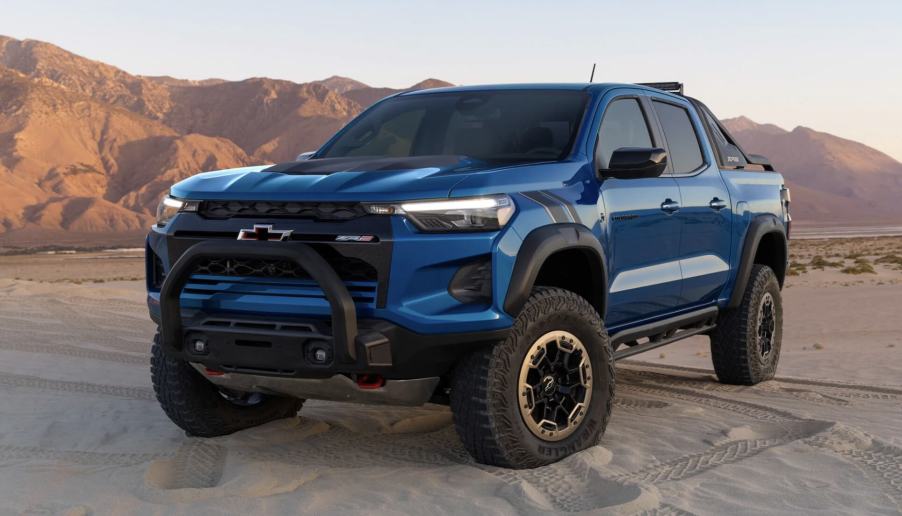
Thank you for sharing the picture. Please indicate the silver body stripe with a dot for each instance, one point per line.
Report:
(564, 203)
(541, 203)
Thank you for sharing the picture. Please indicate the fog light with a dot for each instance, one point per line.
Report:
(318, 352)
(200, 346)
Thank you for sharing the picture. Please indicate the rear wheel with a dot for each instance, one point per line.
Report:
(745, 345)
(202, 409)
(542, 394)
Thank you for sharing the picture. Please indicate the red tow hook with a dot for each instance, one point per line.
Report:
(370, 381)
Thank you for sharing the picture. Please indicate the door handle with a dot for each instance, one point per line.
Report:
(670, 206)
(717, 204)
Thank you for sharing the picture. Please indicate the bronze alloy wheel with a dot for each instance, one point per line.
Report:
(767, 325)
(555, 385)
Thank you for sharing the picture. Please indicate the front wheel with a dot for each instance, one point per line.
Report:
(745, 345)
(542, 394)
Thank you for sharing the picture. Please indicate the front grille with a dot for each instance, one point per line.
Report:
(264, 209)
(229, 282)
(348, 269)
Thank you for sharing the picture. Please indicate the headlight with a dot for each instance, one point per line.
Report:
(469, 214)
(170, 206)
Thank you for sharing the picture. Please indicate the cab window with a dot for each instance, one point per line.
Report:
(684, 150)
(623, 125)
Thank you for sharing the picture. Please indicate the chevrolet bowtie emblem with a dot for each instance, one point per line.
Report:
(264, 232)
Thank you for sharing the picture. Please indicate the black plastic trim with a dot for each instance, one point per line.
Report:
(344, 315)
(537, 247)
(702, 109)
(472, 283)
(655, 344)
(664, 326)
(760, 226)
(382, 347)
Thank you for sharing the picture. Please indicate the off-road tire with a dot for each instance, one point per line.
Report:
(736, 348)
(484, 387)
(197, 406)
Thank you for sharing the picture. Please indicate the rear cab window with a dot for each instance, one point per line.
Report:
(684, 148)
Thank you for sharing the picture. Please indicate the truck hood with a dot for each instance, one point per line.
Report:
(347, 179)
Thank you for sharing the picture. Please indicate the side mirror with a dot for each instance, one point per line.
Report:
(635, 163)
(304, 156)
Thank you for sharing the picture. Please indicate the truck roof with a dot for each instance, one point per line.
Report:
(574, 86)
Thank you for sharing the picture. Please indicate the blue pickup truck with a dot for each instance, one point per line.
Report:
(493, 248)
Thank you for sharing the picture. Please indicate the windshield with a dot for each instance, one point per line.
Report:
(506, 126)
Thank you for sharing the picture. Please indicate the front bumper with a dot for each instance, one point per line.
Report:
(285, 346)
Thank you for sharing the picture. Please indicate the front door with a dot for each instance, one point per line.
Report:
(643, 233)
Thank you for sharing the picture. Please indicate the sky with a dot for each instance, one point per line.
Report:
(834, 66)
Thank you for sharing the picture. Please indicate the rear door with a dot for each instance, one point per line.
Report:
(705, 216)
(643, 232)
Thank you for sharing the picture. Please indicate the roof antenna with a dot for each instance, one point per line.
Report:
(591, 77)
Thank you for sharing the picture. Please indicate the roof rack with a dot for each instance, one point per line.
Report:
(675, 87)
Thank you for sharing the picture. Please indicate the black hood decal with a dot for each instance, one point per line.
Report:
(326, 166)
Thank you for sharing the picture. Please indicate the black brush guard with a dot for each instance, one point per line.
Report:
(344, 317)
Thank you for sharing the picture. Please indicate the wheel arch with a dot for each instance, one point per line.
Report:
(766, 244)
(552, 246)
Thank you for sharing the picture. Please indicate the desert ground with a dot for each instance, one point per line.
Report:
(81, 432)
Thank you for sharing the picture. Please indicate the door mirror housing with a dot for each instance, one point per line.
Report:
(636, 163)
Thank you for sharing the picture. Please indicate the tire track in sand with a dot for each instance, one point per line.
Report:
(787, 428)
(85, 458)
(35, 382)
(880, 461)
(888, 390)
(197, 464)
(76, 352)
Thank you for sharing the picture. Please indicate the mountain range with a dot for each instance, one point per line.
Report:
(87, 149)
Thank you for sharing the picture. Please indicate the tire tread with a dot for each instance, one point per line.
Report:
(195, 405)
(733, 340)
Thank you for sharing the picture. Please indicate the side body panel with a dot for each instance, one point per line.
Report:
(705, 218)
(754, 195)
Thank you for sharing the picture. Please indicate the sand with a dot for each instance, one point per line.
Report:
(81, 433)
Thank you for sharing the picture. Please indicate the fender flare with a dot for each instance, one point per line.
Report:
(759, 227)
(540, 244)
